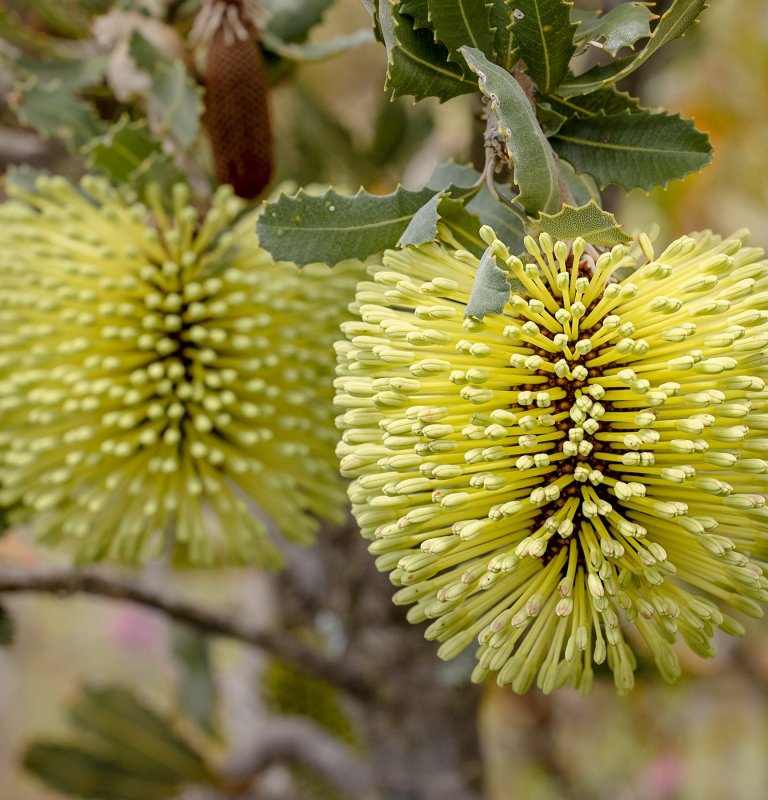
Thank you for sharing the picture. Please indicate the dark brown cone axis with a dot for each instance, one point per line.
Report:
(237, 116)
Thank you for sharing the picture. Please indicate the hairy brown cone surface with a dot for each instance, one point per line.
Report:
(237, 113)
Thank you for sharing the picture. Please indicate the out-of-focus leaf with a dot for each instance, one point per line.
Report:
(417, 65)
(589, 221)
(54, 112)
(176, 102)
(535, 168)
(544, 34)
(508, 225)
(197, 692)
(316, 51)
(640, 150)
(621, 27)
(581, 186)
(7, 624)
(490, 290)
(452, 174)
(292, 20)
(334, 227)
(122, 149)
(61, 18)
(158, 169)
(71, 73)
(675, 22)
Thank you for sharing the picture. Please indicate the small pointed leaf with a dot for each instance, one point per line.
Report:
(633, 150)
(622, 26)
(490, 290)
(423, 225)
(589, 221)
(535, 168)
(544, 34)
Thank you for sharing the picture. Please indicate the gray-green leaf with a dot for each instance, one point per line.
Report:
(122, 149)
(675, 22)
(620, 27)
(490, 290)
(334, 227)
(589, 221)
(544, 34)
(423, 225)
(535, 171)
(639, 150)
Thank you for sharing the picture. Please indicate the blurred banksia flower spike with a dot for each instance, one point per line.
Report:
(578, 473)
(160, 375)
(237, 116)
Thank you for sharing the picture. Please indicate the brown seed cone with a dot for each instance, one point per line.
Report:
(237, 116)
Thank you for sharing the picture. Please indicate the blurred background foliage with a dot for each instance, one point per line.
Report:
(703, 739)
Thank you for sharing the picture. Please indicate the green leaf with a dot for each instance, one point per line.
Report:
(535, 169)
(675, 22)
(176, 102)
(122, 149)
(160, 170)
(316, 51)
(70, 73)
(334, 227)
(292, 20)
(589, 221)
(92, 776)
(620, 27)
(604, 101)
(508, 225)
(582, 187)
(462, 224)
(53, 112)
(490, 291)
(544, 34)
(633, 150)
(417, 65)
(197, 692)
(423, 225)
(452, 174)
(550, 120)
(504, 45)
(418, 10)
(462, 22)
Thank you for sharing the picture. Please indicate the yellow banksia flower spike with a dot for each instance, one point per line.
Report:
(581, 472)
(164, 384)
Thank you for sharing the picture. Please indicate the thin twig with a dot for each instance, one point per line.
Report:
(67, 582)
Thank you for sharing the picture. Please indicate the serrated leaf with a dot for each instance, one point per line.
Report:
(462, 22)
(604, 101)
(423, 225)
(633, 150)
(417, 65)
(673, 24)
(418, 10)
(535, 171)
(176, 102)
(70, 73)
(581, 186)
(53, 112)
(334, 227)
(589, 221)
(292, 20)
(92, 776)
(508, 226)
(621, 27)
(504, 45)
(122, 149)
(544, 34)
(490, 290)
(197, 692)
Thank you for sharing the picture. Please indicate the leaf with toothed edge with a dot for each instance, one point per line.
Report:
(633, 151)
(544, 34)
(490, 290)
(673, 24)
(535, 171)
(589, 221)
(417, 65)
(332, 227)
(504, 44)
(462, 22)
(621, 27)
(603, 101)
(423, 225)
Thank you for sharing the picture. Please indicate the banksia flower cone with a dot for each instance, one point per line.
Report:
(576, 477)
(162, 380)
